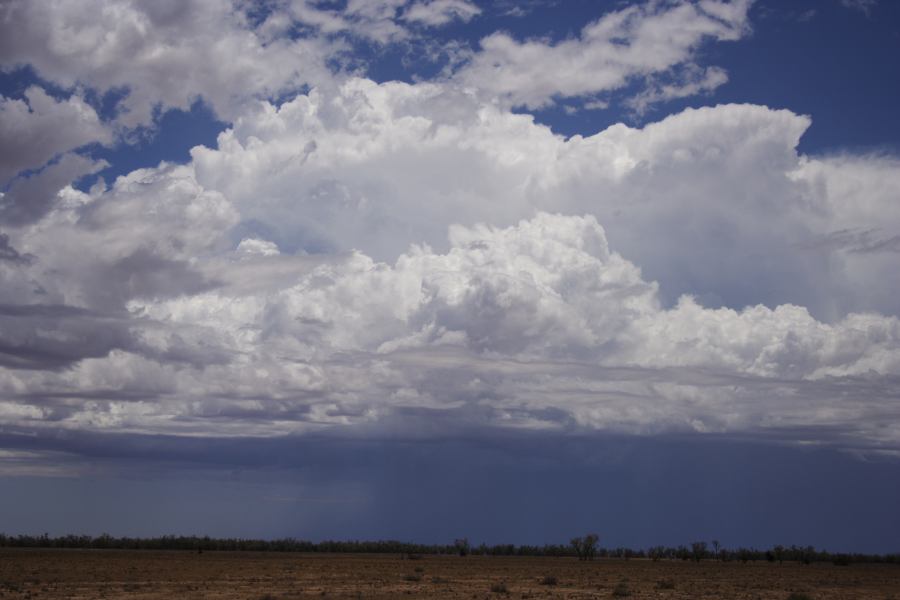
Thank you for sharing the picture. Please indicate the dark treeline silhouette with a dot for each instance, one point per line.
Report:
(697, 551)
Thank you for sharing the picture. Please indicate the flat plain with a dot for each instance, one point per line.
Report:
(150, 575)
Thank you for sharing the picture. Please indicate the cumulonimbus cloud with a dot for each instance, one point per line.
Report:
(364, 251)
(537, 324)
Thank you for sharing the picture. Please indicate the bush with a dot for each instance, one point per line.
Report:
(621, 591)
(499, 588)
(549, 580)
(414, 578)
(799, 596)
(665, 584)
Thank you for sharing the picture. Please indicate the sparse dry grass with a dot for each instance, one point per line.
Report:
(145, 575)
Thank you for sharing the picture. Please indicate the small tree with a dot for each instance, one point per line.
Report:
(585, 547)
(698, 550)
(715, 545)
(462, 546)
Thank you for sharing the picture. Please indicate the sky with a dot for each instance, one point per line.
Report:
(430, 269)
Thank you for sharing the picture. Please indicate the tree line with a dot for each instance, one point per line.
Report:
(584, 548)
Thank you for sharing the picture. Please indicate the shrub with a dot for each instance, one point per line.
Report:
(621, 591)
(499, 588)
(414, 577)
(549, 580)
(665, 584)
(799, 596)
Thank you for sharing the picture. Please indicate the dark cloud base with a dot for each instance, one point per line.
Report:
(512, 487)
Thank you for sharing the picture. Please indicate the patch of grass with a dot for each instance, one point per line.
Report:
(499, 588)
(549, 580)
(665, 584)
(439, 580)
(414, 577)
(799, 596)
(419, 569)
(621, 591)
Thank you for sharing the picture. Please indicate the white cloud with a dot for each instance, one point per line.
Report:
(435, 13)
(692, 82)
(300, 276)
(714, 202)
(863, 6)
(371, 20)
(522, 324)
(30, 198)
(34, 130)
(628, 44)
(165, 54)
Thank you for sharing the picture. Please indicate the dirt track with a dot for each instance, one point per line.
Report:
(83, 574)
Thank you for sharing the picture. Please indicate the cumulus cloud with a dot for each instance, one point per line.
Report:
(37, 128)
(631, 43)
(863, 6)
(30, 198)
(692, 81)
(535, 325)
(441, 12)
(714, 202)
(374, 20)
(7, 252)
(151, 57)
(159, 53)
(364, 252)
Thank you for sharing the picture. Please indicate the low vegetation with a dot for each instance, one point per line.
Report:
(584, 548)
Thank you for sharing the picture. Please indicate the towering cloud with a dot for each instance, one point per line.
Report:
(353, 254)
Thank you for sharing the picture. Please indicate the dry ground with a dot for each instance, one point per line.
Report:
(145, 575)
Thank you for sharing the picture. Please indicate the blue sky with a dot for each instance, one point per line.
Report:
(388, 268)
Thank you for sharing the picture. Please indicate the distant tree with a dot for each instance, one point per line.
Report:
(462, 546)
(698, 550)
(585, 547)
(715, 545)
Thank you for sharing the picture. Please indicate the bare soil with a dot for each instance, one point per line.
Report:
(146, 575)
